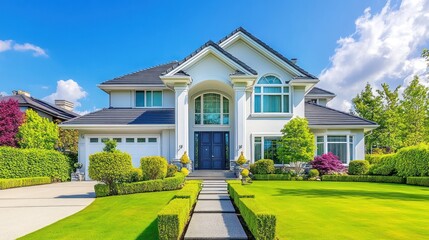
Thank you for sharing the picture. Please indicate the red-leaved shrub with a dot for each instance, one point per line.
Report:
(328, 163)
(10, 120)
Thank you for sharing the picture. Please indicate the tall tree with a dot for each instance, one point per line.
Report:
(68, 140)
(369, 106)
(10, 120)
(415, 105)
(37, 132)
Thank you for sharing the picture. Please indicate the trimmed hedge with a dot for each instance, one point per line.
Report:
(189, 191)
(272, 177)
(237, 191)
(420, 181)
(385, 167)
(101, 190)
(154, 167)
(262, 166)
(373, 158)
(358, 167)
(23, 182)
(413, 161)
(172, 219)
(28, 163)
(363, 178)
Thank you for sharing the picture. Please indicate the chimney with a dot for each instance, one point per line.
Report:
(21, 92)
(294, 60)
(64, 104)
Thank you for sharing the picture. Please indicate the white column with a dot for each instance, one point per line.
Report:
(240, 120)
(181, 143)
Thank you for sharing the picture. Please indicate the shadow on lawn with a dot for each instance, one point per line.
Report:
(351, 193)
(151, 232)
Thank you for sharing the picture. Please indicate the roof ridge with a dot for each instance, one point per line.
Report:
(141, 70)
(328, 92)
(270, 49)
(351, 115)
(54, 106)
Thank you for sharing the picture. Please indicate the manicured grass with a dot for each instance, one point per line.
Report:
(118, 217)
(345, 210)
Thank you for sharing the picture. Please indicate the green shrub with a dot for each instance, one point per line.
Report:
(101, 190)
(373, 158)
(313, 173)
(260, 221)
(263, 166)
(363, 178)
(172, 219)
(171, 183)
(358, 167)
(237, 191)
(135, 175)
(185, 158)
(110, 167)
(154, 167)
(189, 191)
(110, 146)
(241, 159)
(420, 181)
(185, 171)
(171, 170)
(23, 182)
(24, 163)
(272, 177)
(385, 167)
(413, 161)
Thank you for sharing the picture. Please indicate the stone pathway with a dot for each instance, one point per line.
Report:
(214, 215)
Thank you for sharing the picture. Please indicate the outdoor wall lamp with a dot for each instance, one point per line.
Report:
(180, 147)
(240, 146)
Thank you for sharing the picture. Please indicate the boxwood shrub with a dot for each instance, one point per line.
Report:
(358, 167)
(260, 221)
(24, 163)
(420, 181)
(189, 191)
(363, 178)
(263, 166)
(385, 167)
(413, 161)
(373, 158)
(22, 182)
(154, 167)
(237, 191)
(172, 219)
(101, 190)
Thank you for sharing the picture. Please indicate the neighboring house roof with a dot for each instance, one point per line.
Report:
(39, 105)
(318, 92)
(277, 54)
(126, 116)
(145, 76)
(321, 115)
(221, 50)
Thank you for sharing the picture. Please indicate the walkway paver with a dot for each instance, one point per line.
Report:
(27, 209)
(214, 215)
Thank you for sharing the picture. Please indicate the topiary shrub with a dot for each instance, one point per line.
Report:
(185, 171)
(241, 159)
(110, 167)
(171, 170)
(245, 173)
(313, 173)
(358, 167)
(154, 167)
(185, 159)
(263, 166)
(386, 166)
(413, 161)
(327, 163)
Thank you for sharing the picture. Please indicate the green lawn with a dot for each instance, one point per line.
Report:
(346, 210)
(118, 217)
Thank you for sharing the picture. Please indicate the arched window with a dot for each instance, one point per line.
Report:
(271, 96)
(211, 109)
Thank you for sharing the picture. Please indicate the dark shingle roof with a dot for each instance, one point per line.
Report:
(221, 50)
(319, 91)
(126, 116)
(145, 76)
(321, 115)
(37, 104)
(277, 54)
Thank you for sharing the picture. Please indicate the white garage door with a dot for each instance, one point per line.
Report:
(137, 146)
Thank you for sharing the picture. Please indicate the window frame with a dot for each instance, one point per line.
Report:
(146, 98)
(350, 145)
(283, 94)
(201, 113)
(262, 143)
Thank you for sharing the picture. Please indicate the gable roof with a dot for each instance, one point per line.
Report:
(126, 116)
(318, 91)
(321, 115)
(145, 76)
(37, 104)
(218, 48)
(268, 48)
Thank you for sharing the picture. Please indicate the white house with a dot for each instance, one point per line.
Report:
(224, 98)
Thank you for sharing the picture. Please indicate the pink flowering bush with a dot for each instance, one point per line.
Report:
(10, 120)
(328, 163)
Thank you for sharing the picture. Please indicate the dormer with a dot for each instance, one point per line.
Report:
(319, 96)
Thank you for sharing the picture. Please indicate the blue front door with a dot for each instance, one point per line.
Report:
(212, 150)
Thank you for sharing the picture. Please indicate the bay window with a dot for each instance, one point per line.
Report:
(148, 98)
(271, 96)
(340, 145)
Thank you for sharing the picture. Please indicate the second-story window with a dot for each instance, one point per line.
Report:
(148, 98)
(271, 96)
(211, 109)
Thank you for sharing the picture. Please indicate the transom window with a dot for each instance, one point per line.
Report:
(148, 98)
(340, 145)
(211, 109)
(271, 96)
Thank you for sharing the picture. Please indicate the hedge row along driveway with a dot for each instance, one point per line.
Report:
(345, 210)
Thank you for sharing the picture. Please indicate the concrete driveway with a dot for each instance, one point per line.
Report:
(27, 209)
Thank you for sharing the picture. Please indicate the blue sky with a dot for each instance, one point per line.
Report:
(93, 41)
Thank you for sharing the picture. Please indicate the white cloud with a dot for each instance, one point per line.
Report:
(385, 47)
(67, 90)
(9, 45)
(3, 94)
(45, 87)
(87, 111)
